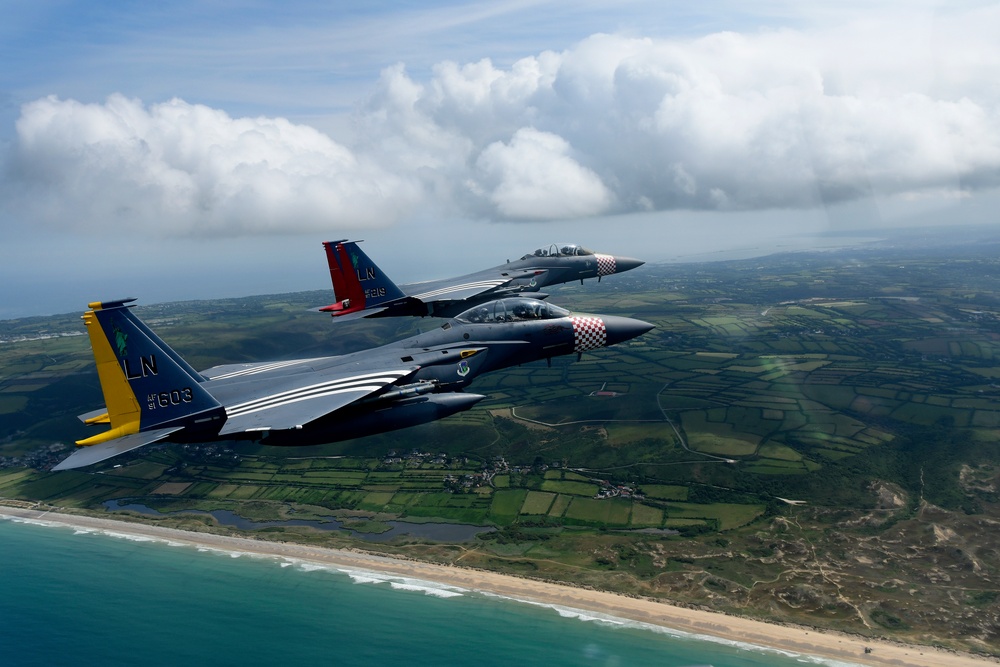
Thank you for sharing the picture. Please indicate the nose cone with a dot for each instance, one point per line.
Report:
(626, 264)
(620, 329)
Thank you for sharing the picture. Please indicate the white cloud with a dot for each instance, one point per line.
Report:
(898, 107)
(179, 168)
(535, 177)
(774, 119)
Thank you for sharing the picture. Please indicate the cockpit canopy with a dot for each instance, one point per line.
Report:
(514, 309)
(560, 250)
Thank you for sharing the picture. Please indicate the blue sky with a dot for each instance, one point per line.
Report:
(203, 149)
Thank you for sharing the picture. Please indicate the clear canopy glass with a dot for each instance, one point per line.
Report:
(514, 309)
(560, 250)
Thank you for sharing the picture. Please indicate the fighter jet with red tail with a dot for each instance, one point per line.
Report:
(362, 289)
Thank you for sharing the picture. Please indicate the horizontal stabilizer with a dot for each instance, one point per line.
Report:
(85, 456)
(357, 314)
(99, 416)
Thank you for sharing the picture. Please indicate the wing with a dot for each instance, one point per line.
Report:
(301, 398)
(264, 369)
(466, 287)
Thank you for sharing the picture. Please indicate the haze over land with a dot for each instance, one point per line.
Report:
(204, 151)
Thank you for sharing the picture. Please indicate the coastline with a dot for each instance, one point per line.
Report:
(799, 640)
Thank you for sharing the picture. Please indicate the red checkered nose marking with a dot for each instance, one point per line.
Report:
(605, 264)
(588, 333)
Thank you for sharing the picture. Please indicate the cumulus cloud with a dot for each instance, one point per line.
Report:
(534, 176)
(730, 121)
(179, 168)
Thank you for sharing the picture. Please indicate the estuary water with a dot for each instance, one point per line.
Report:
(87, 597)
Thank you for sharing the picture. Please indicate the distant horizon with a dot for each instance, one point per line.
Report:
(834, 240)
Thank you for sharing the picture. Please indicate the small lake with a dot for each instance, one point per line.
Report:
(438, 532)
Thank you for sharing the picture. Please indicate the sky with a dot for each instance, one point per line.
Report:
(204, 149)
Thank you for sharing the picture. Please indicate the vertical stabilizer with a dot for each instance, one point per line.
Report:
(376, 286)
(146, 384)
(358, 283)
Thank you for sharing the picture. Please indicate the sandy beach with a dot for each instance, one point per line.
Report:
(836, 646)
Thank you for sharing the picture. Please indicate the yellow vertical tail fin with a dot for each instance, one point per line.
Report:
(146, 384)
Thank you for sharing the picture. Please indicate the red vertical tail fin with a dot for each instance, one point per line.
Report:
(358, 284)
(346, 286)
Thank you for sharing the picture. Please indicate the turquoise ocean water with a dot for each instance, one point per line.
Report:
(70, 597)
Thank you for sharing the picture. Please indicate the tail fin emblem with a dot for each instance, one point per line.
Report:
(121, 340)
